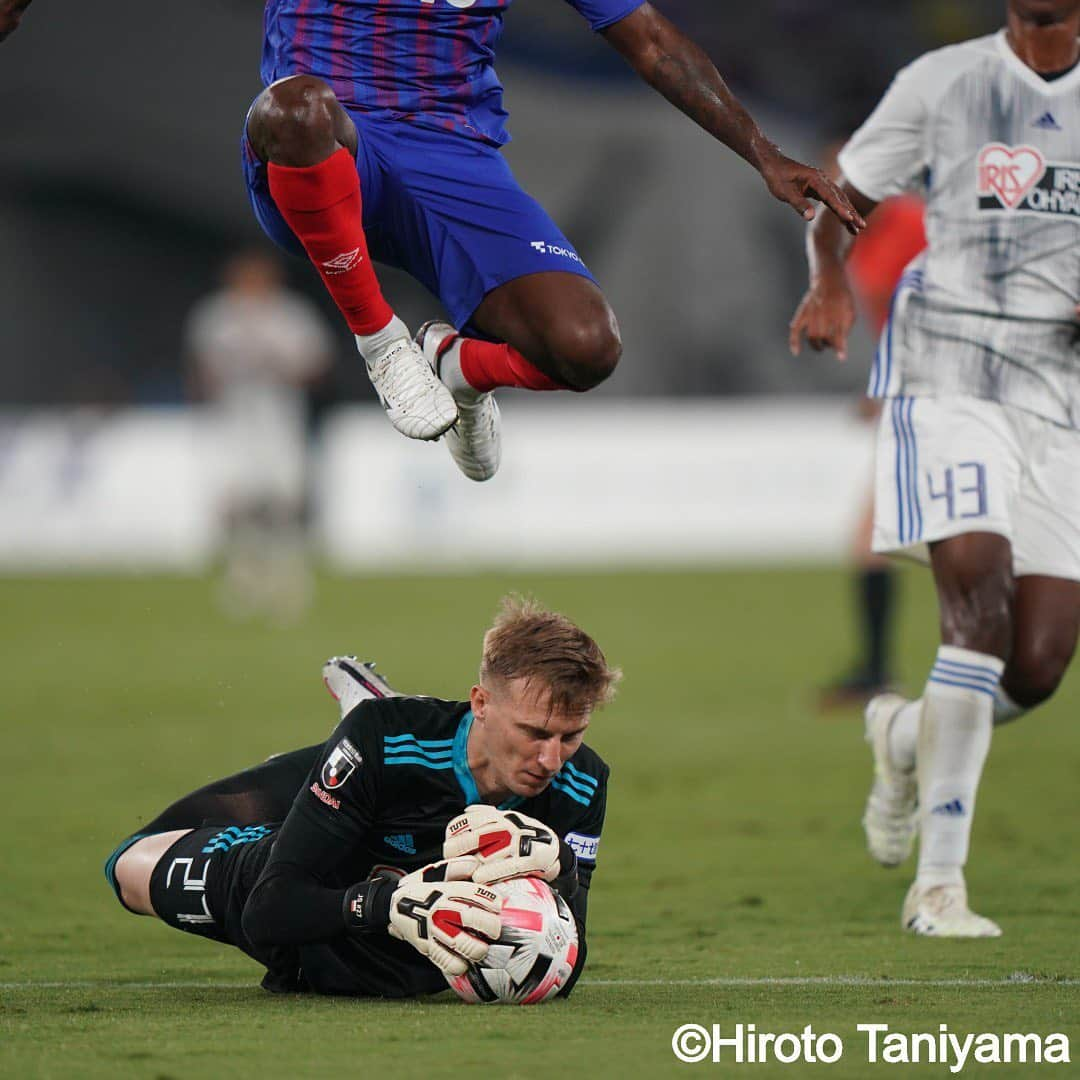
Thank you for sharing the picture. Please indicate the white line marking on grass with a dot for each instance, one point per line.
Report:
(101, 984)
(836, 980)
(1018, 979)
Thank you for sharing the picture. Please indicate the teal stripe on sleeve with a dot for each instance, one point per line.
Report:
(584, 778)
(426, 762)
(430, 743)
(570, 792)
(405, 748)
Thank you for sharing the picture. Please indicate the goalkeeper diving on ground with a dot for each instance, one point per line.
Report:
(373, 865)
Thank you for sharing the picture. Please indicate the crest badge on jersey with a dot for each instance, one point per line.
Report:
(343, 761)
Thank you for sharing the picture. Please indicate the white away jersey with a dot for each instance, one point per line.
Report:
(989, 309)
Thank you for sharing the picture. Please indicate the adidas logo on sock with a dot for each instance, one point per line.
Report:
(1046, 122)
(955, 808)
(402, 842)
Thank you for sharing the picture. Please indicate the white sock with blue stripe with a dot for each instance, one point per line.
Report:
(954, 738)
(904, 729)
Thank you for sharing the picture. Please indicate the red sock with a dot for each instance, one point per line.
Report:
(321, 204)
(486, 366)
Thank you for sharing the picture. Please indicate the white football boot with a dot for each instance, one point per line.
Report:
(890, 816)
(416, 402)
(351, 681)
(942, 911)
(475, 442)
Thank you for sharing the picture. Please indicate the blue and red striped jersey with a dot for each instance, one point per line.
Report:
(431, 62)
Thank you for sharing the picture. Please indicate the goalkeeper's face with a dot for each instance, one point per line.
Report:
(520, 742)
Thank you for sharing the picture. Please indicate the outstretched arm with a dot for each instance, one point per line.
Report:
(827, 312)
(10, 13)
(680, 70)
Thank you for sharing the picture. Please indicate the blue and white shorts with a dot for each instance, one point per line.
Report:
(444, 208)
(953, 465)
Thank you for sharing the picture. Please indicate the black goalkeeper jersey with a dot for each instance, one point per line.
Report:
(380, 794)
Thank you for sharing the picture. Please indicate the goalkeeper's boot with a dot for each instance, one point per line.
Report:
(890, 816)
(416, 402)
(942, 911)
(351, 681)
(475, 442)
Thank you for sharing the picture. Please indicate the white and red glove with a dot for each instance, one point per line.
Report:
(506, 844)
(451, 922)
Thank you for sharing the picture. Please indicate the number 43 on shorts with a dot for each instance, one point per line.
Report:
(962, 486)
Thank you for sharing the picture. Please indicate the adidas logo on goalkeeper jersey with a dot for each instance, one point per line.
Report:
(403, 842)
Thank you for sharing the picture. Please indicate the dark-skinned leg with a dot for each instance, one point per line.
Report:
(298, 127)
(1046, 622)
(309, 143)
(560, 323)
(299, 122)
(974, 580)
(975, 586)
(555, 331)
(976, 593)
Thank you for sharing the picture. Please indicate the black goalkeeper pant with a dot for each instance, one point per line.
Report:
(201, 883)
(260, 795)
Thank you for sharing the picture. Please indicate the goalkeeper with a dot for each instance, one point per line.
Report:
(359, 866)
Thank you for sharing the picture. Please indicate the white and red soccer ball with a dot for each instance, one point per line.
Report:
(536, 951)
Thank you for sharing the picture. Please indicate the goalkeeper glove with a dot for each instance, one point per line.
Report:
(437, 910)
(508, 844)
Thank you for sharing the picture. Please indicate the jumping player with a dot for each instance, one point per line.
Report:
(378, 135)
(979, 449)
(313, 862)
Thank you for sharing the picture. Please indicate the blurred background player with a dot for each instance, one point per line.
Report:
(893, 237)
(978, 453)
(254, 348)
(317, 863)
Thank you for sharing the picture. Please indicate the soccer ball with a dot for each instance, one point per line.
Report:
(535, 953)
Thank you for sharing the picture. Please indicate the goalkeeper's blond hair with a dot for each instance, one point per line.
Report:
(526, 641)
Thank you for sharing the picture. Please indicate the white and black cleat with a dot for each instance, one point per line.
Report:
(475, 441)
(942, 911)
(351, 681)
(890, 817)
(416, 402)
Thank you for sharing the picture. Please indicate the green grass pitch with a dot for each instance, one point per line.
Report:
(733, 885)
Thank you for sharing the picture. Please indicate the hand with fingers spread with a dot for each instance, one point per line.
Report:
(801, 185)
(506, 844)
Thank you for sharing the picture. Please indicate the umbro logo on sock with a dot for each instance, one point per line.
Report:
(344, 262)
(403, 842)
(955, 808)
(1046, 122)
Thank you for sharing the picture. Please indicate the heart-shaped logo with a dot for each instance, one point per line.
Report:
(1009, 172)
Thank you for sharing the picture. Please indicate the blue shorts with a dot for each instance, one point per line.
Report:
(443, 208)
